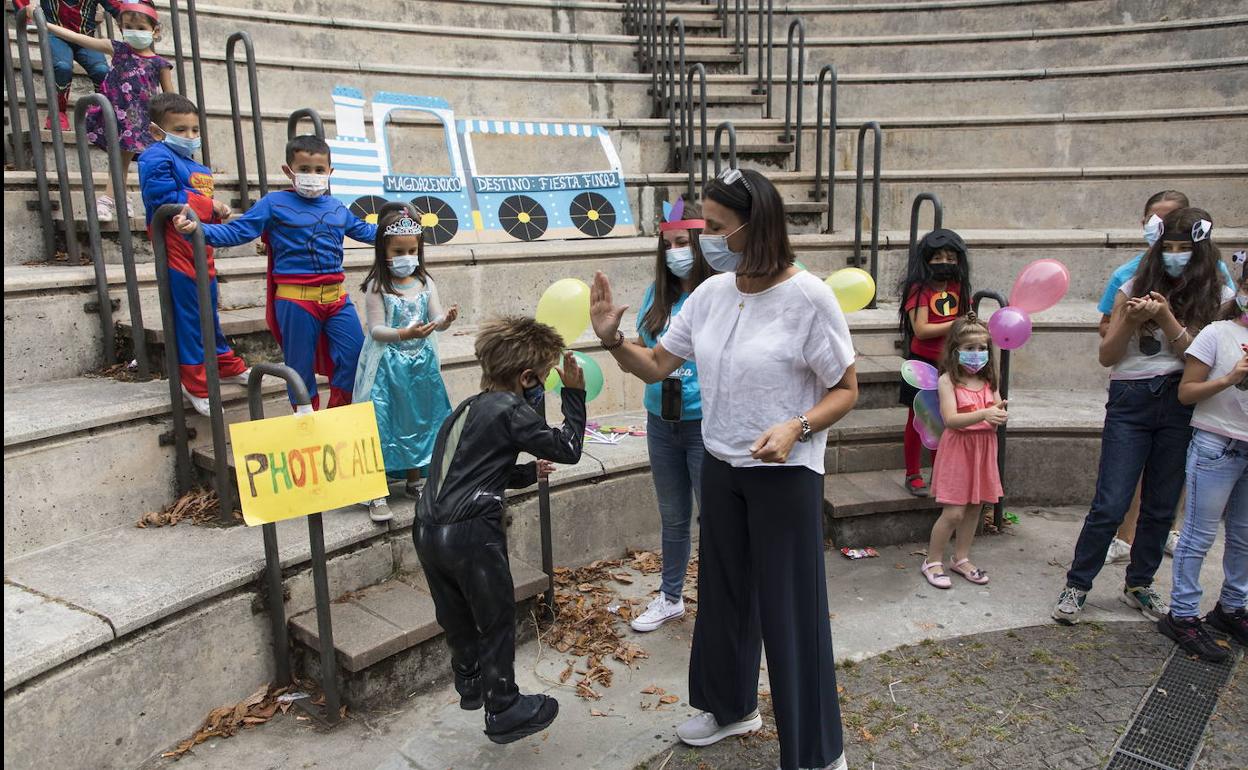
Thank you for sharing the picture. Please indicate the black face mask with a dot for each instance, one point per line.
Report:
(943, 271)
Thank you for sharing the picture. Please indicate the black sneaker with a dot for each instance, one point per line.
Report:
(1190, 634)
(529, 714)
(1234, 623)
(469, 689)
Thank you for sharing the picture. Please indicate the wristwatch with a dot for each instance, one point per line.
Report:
(805, 435)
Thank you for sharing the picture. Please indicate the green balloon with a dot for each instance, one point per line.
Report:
(593, 377)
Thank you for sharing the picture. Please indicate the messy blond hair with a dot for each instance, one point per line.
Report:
(507, 346)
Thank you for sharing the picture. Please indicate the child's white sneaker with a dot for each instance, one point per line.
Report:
(238, 379)
(201, 405)
(703, 730)
(379, 510)
(1172, 542)
(659, 612)
(1119, 551)
(105, 208)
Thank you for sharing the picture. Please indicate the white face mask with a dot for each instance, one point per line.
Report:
(680, 261)
(402, 267)
(311, 185)
(718, 255)
(1152, 229)
(138, 39)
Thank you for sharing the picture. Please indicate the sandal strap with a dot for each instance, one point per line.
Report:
(927, 565)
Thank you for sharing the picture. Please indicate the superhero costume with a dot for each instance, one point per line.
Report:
(76, 16)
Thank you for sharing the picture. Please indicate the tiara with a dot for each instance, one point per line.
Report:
(672, 213)
(403, 226)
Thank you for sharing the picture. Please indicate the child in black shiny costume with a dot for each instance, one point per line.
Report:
(459, 532)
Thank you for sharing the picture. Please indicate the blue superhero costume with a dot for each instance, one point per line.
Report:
(167, 177)
(308, 310)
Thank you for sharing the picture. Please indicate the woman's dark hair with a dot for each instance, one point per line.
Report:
(1195, 297)
(380, 271)
(666, 285)
(757, 201)
(1166, 195)
(919, 275)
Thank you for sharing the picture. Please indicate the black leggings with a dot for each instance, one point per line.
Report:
(761, 582)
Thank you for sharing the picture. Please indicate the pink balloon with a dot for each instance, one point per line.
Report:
(1040, 286)
(1010, 327)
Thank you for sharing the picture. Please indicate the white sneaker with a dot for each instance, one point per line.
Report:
(379, 510)
(238, 379)
(839, 764)
(201, 405)
(1172, 542)
(703, 730)
(105, 208)
(659, 612)
(1119, 551)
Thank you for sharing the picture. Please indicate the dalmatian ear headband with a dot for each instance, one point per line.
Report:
(403, 226)
(1201, 229)
(672, 213)
(1241, 258)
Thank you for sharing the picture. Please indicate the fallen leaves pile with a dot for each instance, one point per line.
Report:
(256, 709)
(198, 506)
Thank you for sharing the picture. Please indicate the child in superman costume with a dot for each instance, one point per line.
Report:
(308, 309)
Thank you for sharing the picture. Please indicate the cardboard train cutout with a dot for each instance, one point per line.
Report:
(466, 206)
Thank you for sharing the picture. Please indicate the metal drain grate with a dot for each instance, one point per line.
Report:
(1169, 727)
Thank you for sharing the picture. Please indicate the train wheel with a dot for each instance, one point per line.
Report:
(522, 217)
(592, 214)
(436, 217)
(368, 207)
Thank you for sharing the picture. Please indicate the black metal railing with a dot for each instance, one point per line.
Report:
(257, 122)
(207, 330)
(192, 23)
(179, 59)
(314, 117)
(938, 215)
(798, 26)
(692, 150)
(763, 85)
(732, 145)
(741, 34)
(998, 511)
(15, 152)
(858, 259)
(118, 179)
(827, 75)
(674, 96)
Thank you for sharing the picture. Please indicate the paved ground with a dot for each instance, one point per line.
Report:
(877, 605)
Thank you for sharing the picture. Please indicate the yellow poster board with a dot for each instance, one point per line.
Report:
(303, 464)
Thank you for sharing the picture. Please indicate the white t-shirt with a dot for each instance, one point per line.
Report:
(1219, 345)
(762, 359)
(1138, 363)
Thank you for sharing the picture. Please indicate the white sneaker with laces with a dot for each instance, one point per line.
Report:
(238, 379)
(1172, 542)
(839, 764)
(703, 730)
(200, 404)
(660, 610)
(379, 510)
(1119, 551)
(105, 208)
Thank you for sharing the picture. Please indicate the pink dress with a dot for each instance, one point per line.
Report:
(966, 462)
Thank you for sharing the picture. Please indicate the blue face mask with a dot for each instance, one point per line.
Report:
(402, 267)
(535, 395)
(1175, 262)
(680, 261)
(715, 249)
(1152, 229)
(973, 360)
(181, 145)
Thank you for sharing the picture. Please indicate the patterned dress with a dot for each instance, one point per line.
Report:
(130, 85)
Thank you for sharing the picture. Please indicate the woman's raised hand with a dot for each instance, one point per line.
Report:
(604, 314)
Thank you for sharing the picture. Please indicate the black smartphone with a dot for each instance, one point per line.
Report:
(673, 399)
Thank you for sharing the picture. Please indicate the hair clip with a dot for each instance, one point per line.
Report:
(672, 213)
(403, 226)
(1201, 230)
(1240, 257)
(970, 316)
(732, 175)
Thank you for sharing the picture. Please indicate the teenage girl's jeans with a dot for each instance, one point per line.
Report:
(1146, 430)
(676, 464)
(1217, 487)
(63, 56)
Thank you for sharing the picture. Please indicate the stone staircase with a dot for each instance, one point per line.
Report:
(1037, 123)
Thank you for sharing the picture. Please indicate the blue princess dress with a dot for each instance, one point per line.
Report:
(402, 377)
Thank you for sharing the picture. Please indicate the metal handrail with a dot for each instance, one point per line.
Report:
(764, 86)
(208, 332)
(700, 70)
(675, 96)
(800, 27)
(178, 58)
(741, 34)
(17, 151)
(38, 161)
(257, 123)
(292, 123)
(118, 179)
(998, 511)
(875, 201)
(656, 31)
(938, 215)
(732, 144)
(58, 139)
(826, 74)
(192, 20)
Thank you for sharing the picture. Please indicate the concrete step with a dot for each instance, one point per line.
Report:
(873, 508)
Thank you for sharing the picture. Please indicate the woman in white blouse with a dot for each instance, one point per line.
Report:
(776, 366)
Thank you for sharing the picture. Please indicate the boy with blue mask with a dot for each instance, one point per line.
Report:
(169, 173)
(459, 531)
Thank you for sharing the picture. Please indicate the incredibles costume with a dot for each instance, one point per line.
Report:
(76, 16)
(462, 545)
(308, 309)
(167, 177)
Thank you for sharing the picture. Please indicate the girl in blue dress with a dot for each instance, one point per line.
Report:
(399, 370)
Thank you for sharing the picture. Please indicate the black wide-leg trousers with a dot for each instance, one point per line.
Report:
(761, 584)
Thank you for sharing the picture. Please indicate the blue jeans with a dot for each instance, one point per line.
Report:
(1217, 487)
(1146, 430)
(676, 463)
(63, 56)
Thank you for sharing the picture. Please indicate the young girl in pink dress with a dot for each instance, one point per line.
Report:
(965, 476)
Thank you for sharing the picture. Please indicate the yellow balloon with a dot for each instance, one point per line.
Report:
(565, 306)
(853, 287)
